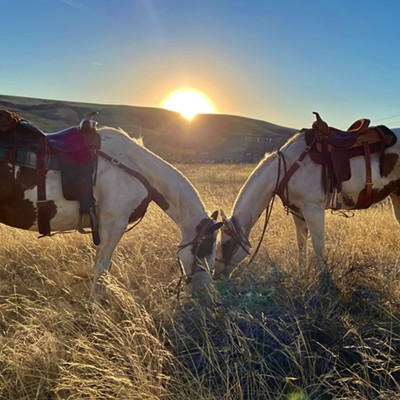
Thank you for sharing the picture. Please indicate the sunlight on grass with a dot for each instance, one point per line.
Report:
(267, 333)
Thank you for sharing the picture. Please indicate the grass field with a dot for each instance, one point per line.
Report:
(266, 333)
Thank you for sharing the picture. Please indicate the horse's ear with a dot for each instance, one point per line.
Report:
(214, 215)
(229, 227)
(213, 228)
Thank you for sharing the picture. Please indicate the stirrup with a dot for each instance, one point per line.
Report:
(336, 200)
(95, 226)
(93, 219)
(81, 229)
(339, 201)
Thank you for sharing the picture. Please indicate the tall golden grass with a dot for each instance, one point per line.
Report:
(268, 332)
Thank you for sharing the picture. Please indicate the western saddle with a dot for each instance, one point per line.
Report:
(333, 148)
(72, 151)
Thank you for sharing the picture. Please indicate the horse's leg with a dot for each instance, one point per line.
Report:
(301, 234)
(315, 219)
(110, 235)
(396, 205)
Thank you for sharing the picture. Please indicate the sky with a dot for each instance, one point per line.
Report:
(273, 60)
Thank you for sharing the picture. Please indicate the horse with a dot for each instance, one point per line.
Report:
(301, 183)
(128, 177)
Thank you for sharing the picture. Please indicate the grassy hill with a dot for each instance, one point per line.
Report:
(209, 137)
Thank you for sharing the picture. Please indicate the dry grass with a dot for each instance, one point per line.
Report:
(268, 333)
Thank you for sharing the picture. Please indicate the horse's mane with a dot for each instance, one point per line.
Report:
(119, 137)
(267, 159)
(268, 155)
(138, 140)
(293, 138)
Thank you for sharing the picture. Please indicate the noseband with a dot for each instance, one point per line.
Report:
(237, 239)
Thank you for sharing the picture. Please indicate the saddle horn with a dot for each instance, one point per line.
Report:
(320, 124)
(91, 115)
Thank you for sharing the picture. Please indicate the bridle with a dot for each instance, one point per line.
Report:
(202, 246)
(237, 239)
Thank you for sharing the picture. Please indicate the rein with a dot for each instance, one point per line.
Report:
(237, 235)
(268, 212)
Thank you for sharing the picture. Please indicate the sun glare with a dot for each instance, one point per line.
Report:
(188, 102)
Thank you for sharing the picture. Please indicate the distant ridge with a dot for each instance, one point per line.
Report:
(209, 137)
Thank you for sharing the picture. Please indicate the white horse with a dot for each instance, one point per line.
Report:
(119, 196)
(304, 194)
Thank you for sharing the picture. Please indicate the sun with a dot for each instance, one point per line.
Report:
(188, 102)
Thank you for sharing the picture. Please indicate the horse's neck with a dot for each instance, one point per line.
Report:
(184, 202)
(262, 183)
(185, 206)
(256, 193)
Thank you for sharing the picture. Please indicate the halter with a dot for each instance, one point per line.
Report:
(198, 250)
(237, 239)
(199, 246)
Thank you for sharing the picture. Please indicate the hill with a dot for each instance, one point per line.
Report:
(209, 137)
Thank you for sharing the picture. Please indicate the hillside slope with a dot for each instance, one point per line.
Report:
(209, 137)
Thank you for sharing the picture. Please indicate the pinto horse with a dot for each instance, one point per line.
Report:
(127, 178)
(292, 174)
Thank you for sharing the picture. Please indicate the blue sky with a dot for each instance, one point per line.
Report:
(272, 60)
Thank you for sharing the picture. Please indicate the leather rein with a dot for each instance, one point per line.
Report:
(238, 238)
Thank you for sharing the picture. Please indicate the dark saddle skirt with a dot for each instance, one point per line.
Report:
(333, 148)
(73, 151)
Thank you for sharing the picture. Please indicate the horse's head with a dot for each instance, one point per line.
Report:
(198, 255)
(235, 245)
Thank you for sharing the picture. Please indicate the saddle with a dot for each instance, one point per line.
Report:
(73, 151)
(333, 148)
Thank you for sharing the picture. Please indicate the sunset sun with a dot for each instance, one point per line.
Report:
(188, 102)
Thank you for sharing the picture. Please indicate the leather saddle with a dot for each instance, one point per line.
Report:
(333, 148)
(73, 151)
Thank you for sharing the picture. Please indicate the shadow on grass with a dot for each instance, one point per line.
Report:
(265, 337)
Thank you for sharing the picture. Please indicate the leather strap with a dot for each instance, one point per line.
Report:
(366, 199)
(293, 168)
(43, 214)
(155, 195)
